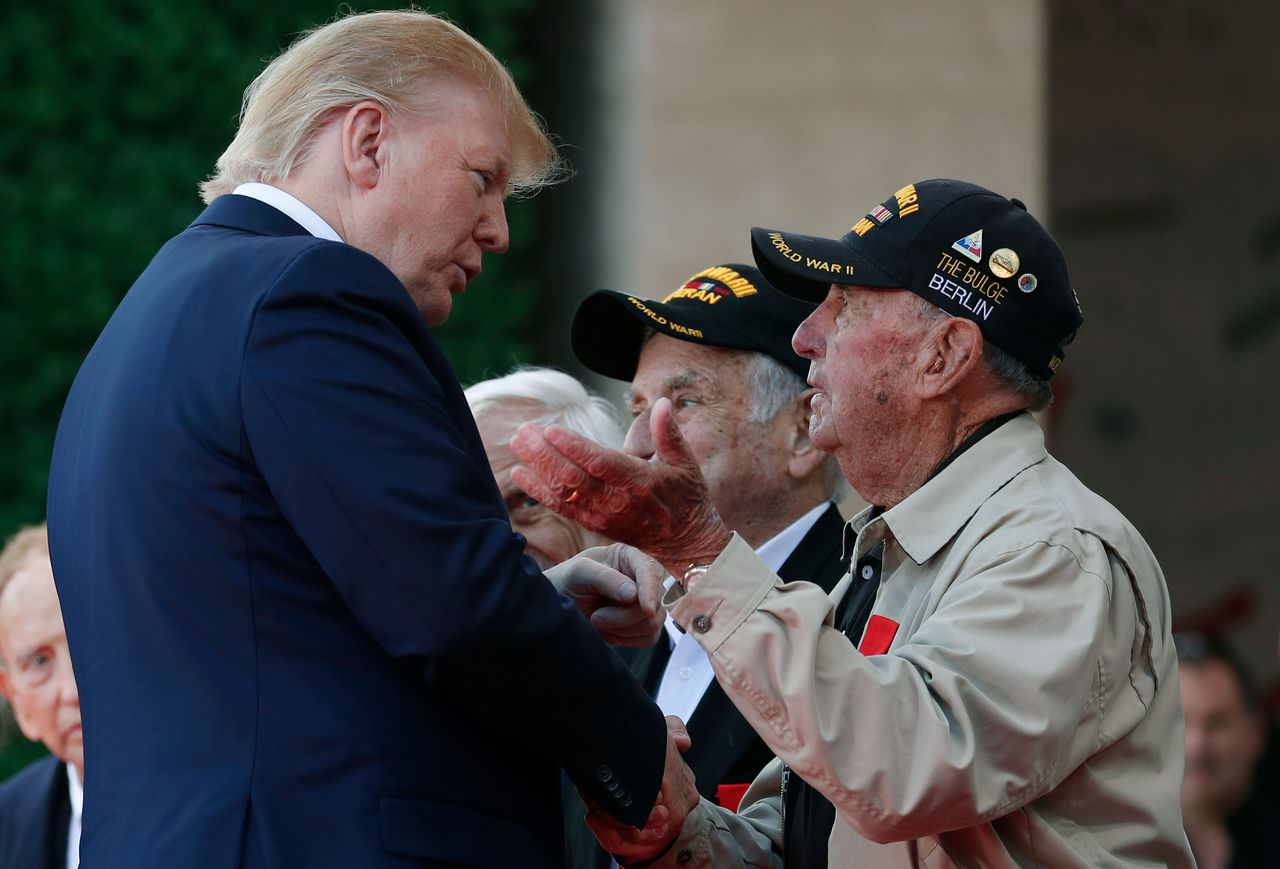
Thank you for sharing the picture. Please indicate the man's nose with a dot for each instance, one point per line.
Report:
(491, 233)
(807, 340)
(639, 440)
(68, 691)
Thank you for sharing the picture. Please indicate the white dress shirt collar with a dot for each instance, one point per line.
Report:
(75, 790)
(775, 551)
(292, 206)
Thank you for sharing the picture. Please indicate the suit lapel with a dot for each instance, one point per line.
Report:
(59, 817)
(818, 557)
(721, 739)
(46, 838)
(647, 664)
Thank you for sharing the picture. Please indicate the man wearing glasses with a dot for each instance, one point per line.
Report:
(40, 806)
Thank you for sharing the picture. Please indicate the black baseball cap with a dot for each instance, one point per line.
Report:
(723, 306)
(971, 252)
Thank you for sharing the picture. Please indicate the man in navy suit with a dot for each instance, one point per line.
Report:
(40, 806)
(304, 631)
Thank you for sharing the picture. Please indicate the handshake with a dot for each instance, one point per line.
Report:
(661, 506)
(676, 799)
(619, 589)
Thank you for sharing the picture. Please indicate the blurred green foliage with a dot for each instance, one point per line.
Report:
(116, 110)
(15, 752)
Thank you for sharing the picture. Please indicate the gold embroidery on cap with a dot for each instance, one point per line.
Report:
(908, 201)
(862, 227)
(737, 284)
(663, 321)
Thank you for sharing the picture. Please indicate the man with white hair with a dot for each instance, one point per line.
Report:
(548, 397)
(1013, 698)
(304, 632)
(40, 806)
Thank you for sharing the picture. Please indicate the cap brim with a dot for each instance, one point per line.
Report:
(805, 266)
(609, 327)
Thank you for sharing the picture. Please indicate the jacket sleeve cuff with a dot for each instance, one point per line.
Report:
(724, 596)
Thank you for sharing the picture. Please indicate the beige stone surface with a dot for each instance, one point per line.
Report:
(730, 113)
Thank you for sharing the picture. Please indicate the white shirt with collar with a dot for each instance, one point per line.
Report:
(688, 672)
(75, 790)
(291, 206)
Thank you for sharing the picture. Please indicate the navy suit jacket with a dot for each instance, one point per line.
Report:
(35, 816)
(303, 629)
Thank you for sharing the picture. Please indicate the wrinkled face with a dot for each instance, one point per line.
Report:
(37, 676)
(551, 537)
(438, 203)
(1224, 739)
(742, 461)
(860, 343)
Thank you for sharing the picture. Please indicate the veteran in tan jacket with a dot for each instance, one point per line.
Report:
(1013, 699)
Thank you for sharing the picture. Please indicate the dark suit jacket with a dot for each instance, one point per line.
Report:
(35, 814)
(303, 629)
(725, 750)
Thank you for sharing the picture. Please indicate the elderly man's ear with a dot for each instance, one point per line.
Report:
(365, 133)
(951, 352)
(805, 458)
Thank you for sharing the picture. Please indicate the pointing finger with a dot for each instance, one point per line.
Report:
(599, 462)
(530, 444)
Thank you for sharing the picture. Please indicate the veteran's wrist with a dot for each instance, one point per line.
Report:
(690, 564)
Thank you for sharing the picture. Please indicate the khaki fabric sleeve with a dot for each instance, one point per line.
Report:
(975, 713)
(752, 838)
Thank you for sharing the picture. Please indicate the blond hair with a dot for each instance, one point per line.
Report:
(393, 58)
(32, 540)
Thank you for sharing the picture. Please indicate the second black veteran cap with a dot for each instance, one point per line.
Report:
(967, 250)
(724, 306)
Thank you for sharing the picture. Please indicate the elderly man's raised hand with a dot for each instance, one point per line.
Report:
(618, 589)
(660, 506)
(676, 799)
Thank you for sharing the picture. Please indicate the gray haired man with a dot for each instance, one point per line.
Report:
(718, 347)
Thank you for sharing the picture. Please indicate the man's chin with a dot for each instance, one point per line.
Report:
(435, 308)
(72, 754)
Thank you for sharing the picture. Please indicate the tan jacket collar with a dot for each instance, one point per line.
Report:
(933, 514)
